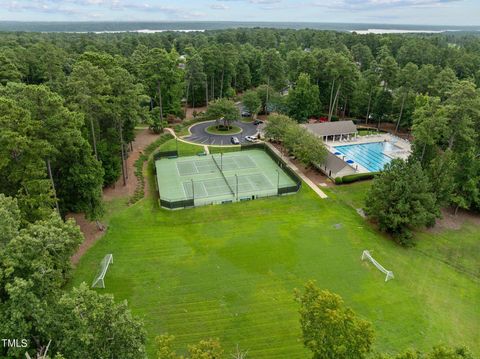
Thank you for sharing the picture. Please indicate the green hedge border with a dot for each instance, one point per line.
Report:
(140, 190)
(355, 177)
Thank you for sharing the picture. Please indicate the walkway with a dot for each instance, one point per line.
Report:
(304, 178)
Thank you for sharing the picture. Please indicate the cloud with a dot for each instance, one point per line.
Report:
(382, 4)
(255, 1)
(96, 8)
(219, 7)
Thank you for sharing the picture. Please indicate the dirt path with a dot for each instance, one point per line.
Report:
(142, 140)
(89, 229)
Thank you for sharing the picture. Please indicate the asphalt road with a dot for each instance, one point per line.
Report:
(199, 135)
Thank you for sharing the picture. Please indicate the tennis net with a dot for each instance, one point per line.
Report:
(223, 175)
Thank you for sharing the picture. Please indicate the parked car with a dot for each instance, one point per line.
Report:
(246, 114)
(251, 138)
(257, 122)
(234, 140)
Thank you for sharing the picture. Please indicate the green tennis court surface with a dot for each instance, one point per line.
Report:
(212, 179)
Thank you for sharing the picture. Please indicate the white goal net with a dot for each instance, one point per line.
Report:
(99, 282)
(389, 274)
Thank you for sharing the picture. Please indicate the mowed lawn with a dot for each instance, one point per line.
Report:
(229, 271)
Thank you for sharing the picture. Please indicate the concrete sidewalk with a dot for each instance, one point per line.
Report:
(304, 178)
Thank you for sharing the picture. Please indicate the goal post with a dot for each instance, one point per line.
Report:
(99, 282)
(367, 256)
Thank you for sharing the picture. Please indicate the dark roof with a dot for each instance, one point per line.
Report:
(334, 163)
(332, 128)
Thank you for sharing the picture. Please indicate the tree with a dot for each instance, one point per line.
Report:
(8, 70)
(273, 69)
(428, 128)
(299, 61)
(341, 71)
(22, 161)
(331, 330)
(93, 325)
(443, 83)
(34, 268)
(462, 111)
(125, 108)
(400, 199)
(303, 100)
(276, 127)
(266, 93)
(10, 219)
(252, 102)
(195, 80)
(87, 91)
(388, 68)
(365, 93)
(164, 345)
(223, 110)
(46, 65)
(56, 141)
(362, 55)
(206, 349)
(382, 107)
(164, 81)
(406, 80)
(306, 147)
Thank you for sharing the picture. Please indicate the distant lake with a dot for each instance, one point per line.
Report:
(186, 26)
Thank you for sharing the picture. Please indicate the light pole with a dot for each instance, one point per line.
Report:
(193, 190)
(236, 178)
(278, 180)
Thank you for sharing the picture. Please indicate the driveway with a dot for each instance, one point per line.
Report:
(199, 135)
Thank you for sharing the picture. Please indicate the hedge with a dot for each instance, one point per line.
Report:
(356, 177)
(140, 190)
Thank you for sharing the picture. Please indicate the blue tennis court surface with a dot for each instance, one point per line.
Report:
(370, 155)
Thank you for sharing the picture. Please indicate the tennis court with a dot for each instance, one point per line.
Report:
(221, 178)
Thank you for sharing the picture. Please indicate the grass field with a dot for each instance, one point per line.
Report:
(229, 271)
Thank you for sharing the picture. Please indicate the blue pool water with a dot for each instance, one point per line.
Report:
(369, 155)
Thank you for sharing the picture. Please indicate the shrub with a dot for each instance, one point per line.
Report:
(140, 190)
(359, 177)
(338, 180)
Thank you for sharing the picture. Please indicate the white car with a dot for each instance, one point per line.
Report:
(251, 138)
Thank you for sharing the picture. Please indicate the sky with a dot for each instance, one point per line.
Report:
(419, 12)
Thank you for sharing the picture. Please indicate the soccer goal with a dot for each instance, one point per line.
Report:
(99, 282)
(366, 255)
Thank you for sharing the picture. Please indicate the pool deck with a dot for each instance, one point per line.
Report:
(404, 145)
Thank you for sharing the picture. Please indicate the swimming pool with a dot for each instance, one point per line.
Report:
(370, 155)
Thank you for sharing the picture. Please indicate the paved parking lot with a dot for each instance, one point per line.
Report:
(199, 135)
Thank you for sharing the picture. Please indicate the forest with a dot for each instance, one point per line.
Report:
(69, 104)
(94, 89)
